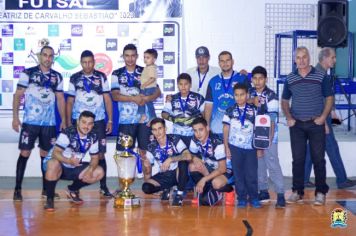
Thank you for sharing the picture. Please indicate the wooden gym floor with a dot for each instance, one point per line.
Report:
(98, 217)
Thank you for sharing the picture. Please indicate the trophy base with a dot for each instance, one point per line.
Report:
(126, 203)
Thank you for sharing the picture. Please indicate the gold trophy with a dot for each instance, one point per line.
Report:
(126, 167)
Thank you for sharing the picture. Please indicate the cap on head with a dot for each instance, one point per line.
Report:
(202, 51)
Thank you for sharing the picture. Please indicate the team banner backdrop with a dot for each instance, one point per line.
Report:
(102, 26)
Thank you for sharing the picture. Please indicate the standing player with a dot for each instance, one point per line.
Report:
(266, 102)
(65, 160)
(89, 91)
(166, 150)
(42, 86)
(239, 122)
(125, 88)
(183, 108)
(220, 94)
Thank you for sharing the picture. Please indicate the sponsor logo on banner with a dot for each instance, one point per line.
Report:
(7, 30)
(7, 58)
(103, 63)
(123, 30)
(66, 45)
(19, 44)
(61, 5)
(158, 44)
(168, 30)
(168, 57)
(111, 44)
(53, 30)
(100, 30)
(30, 30)
(169, 85)
(67, 62)
(7, 86)
(77, 30)
(160, 71)
(17, 71)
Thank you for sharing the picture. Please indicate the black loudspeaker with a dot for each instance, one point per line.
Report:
(332, 23)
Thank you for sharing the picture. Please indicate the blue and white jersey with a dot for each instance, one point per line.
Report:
(174, 146)
(40, 99)
(221, 94)
(88, 92)
(187, 108)
(268, 104)
(72, 144)
(210, 152)
(241, 130)
(128, 83)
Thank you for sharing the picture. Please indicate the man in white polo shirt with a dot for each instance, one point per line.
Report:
(203, 72)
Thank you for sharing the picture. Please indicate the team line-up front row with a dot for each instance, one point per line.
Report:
(212, 139)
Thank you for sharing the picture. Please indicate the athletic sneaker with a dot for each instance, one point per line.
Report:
(241, 204)
(263, 196)
(17, 195)
(309, 184)
(104, 191)
(281, 201)
(44, 195)
(73, 196)
(255, 203)
(49, 206)
(347, 184)
(166, 193)
(295, 198)
(319, 199)
(177, 200)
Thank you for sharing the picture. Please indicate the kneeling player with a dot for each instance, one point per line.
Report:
(208, 167)
(65, 160)
(166, 150)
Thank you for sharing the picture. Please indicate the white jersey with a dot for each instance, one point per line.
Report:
(200, 85)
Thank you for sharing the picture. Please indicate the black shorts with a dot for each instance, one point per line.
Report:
(166, 179)
(228, 174)
(73, 173)
(100, 130)
(141, 132)
(29, 133)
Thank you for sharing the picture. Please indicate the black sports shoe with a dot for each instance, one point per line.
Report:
(347, 184)
(49, 206)
(44, 195)
(73, 196)
(166, 193)
(17, 195)
(177, 200)
(104, 191)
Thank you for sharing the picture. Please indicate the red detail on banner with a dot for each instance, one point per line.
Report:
(103, 63)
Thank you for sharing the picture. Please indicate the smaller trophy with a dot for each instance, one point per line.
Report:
(126, 167)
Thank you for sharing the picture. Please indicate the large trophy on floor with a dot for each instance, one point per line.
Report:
(126, 167)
